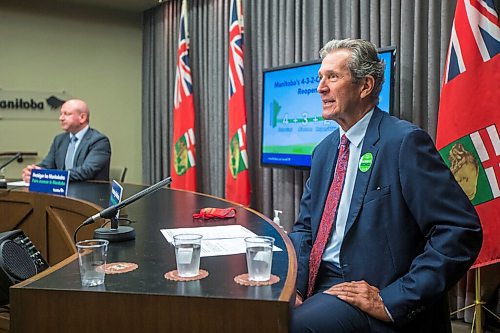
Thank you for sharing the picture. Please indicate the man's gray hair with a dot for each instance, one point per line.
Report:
(364, 61)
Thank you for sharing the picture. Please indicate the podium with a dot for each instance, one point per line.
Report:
(143, 300)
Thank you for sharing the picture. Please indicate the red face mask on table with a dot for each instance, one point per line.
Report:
(215, 213)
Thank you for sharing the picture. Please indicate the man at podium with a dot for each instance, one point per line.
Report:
(82, 150)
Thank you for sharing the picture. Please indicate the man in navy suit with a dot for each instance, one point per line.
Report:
(403, 231)
(82, 150)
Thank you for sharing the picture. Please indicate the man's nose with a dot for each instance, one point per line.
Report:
(322, 87)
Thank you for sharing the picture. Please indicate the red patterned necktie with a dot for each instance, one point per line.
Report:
(329, 212)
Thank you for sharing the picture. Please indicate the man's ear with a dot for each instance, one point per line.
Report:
(367, 86)
(83, 117)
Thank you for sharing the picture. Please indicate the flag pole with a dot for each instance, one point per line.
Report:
(479, 305)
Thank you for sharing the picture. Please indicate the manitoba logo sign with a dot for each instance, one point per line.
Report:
(30, 105)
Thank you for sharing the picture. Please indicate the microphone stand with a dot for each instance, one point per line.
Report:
(18, 156)
(117, 233)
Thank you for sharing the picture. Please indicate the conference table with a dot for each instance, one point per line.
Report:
(141, 300)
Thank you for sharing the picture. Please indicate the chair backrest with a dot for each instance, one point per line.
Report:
(118, 173)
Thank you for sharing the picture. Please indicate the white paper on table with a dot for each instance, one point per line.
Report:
(218, 240)
(18, 183)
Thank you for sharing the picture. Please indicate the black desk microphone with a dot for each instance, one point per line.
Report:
(119, 233)
(19, 157)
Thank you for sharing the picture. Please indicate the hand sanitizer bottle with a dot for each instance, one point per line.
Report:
(276, 218)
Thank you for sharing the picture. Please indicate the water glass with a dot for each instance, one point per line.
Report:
(259, 257)
(92, 255)
(187, 254)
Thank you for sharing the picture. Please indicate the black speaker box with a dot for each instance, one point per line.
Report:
(19, 260)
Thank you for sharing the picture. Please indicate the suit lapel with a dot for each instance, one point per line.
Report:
(370, 141)
(82, 146)
(61, 155)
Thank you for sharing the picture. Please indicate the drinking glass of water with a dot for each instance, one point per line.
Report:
(259, 257)
(187, 254)
(92, 255)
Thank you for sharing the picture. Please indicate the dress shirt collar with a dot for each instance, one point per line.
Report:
(356, 133)
(79, 135)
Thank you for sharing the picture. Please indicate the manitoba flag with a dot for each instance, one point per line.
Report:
(183, 164)
(469, 115)
(237, 177)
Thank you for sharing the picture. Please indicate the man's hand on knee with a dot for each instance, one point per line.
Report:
(363, 296)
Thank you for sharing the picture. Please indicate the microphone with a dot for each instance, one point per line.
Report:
(119, 233)
(18, 156)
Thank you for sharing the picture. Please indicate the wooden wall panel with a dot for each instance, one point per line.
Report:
(48, 220)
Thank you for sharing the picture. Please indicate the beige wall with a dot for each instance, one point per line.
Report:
(92, 54)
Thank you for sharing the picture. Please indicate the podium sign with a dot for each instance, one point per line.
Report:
(49, 181)
(116, 195)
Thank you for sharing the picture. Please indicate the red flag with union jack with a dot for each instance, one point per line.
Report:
(183, 171)
(237, 176)
(469, 115)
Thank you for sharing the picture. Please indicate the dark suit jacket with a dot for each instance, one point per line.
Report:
(411, 231)
(91, 160)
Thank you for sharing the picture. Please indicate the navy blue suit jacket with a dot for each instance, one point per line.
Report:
(411, 231)
(92, 157)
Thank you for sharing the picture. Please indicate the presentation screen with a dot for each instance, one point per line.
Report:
(292, 122)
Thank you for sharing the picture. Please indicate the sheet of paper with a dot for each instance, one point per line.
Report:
(18, 183)
(218, 240)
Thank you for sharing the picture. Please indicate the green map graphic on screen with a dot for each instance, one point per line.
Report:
(289, 125)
